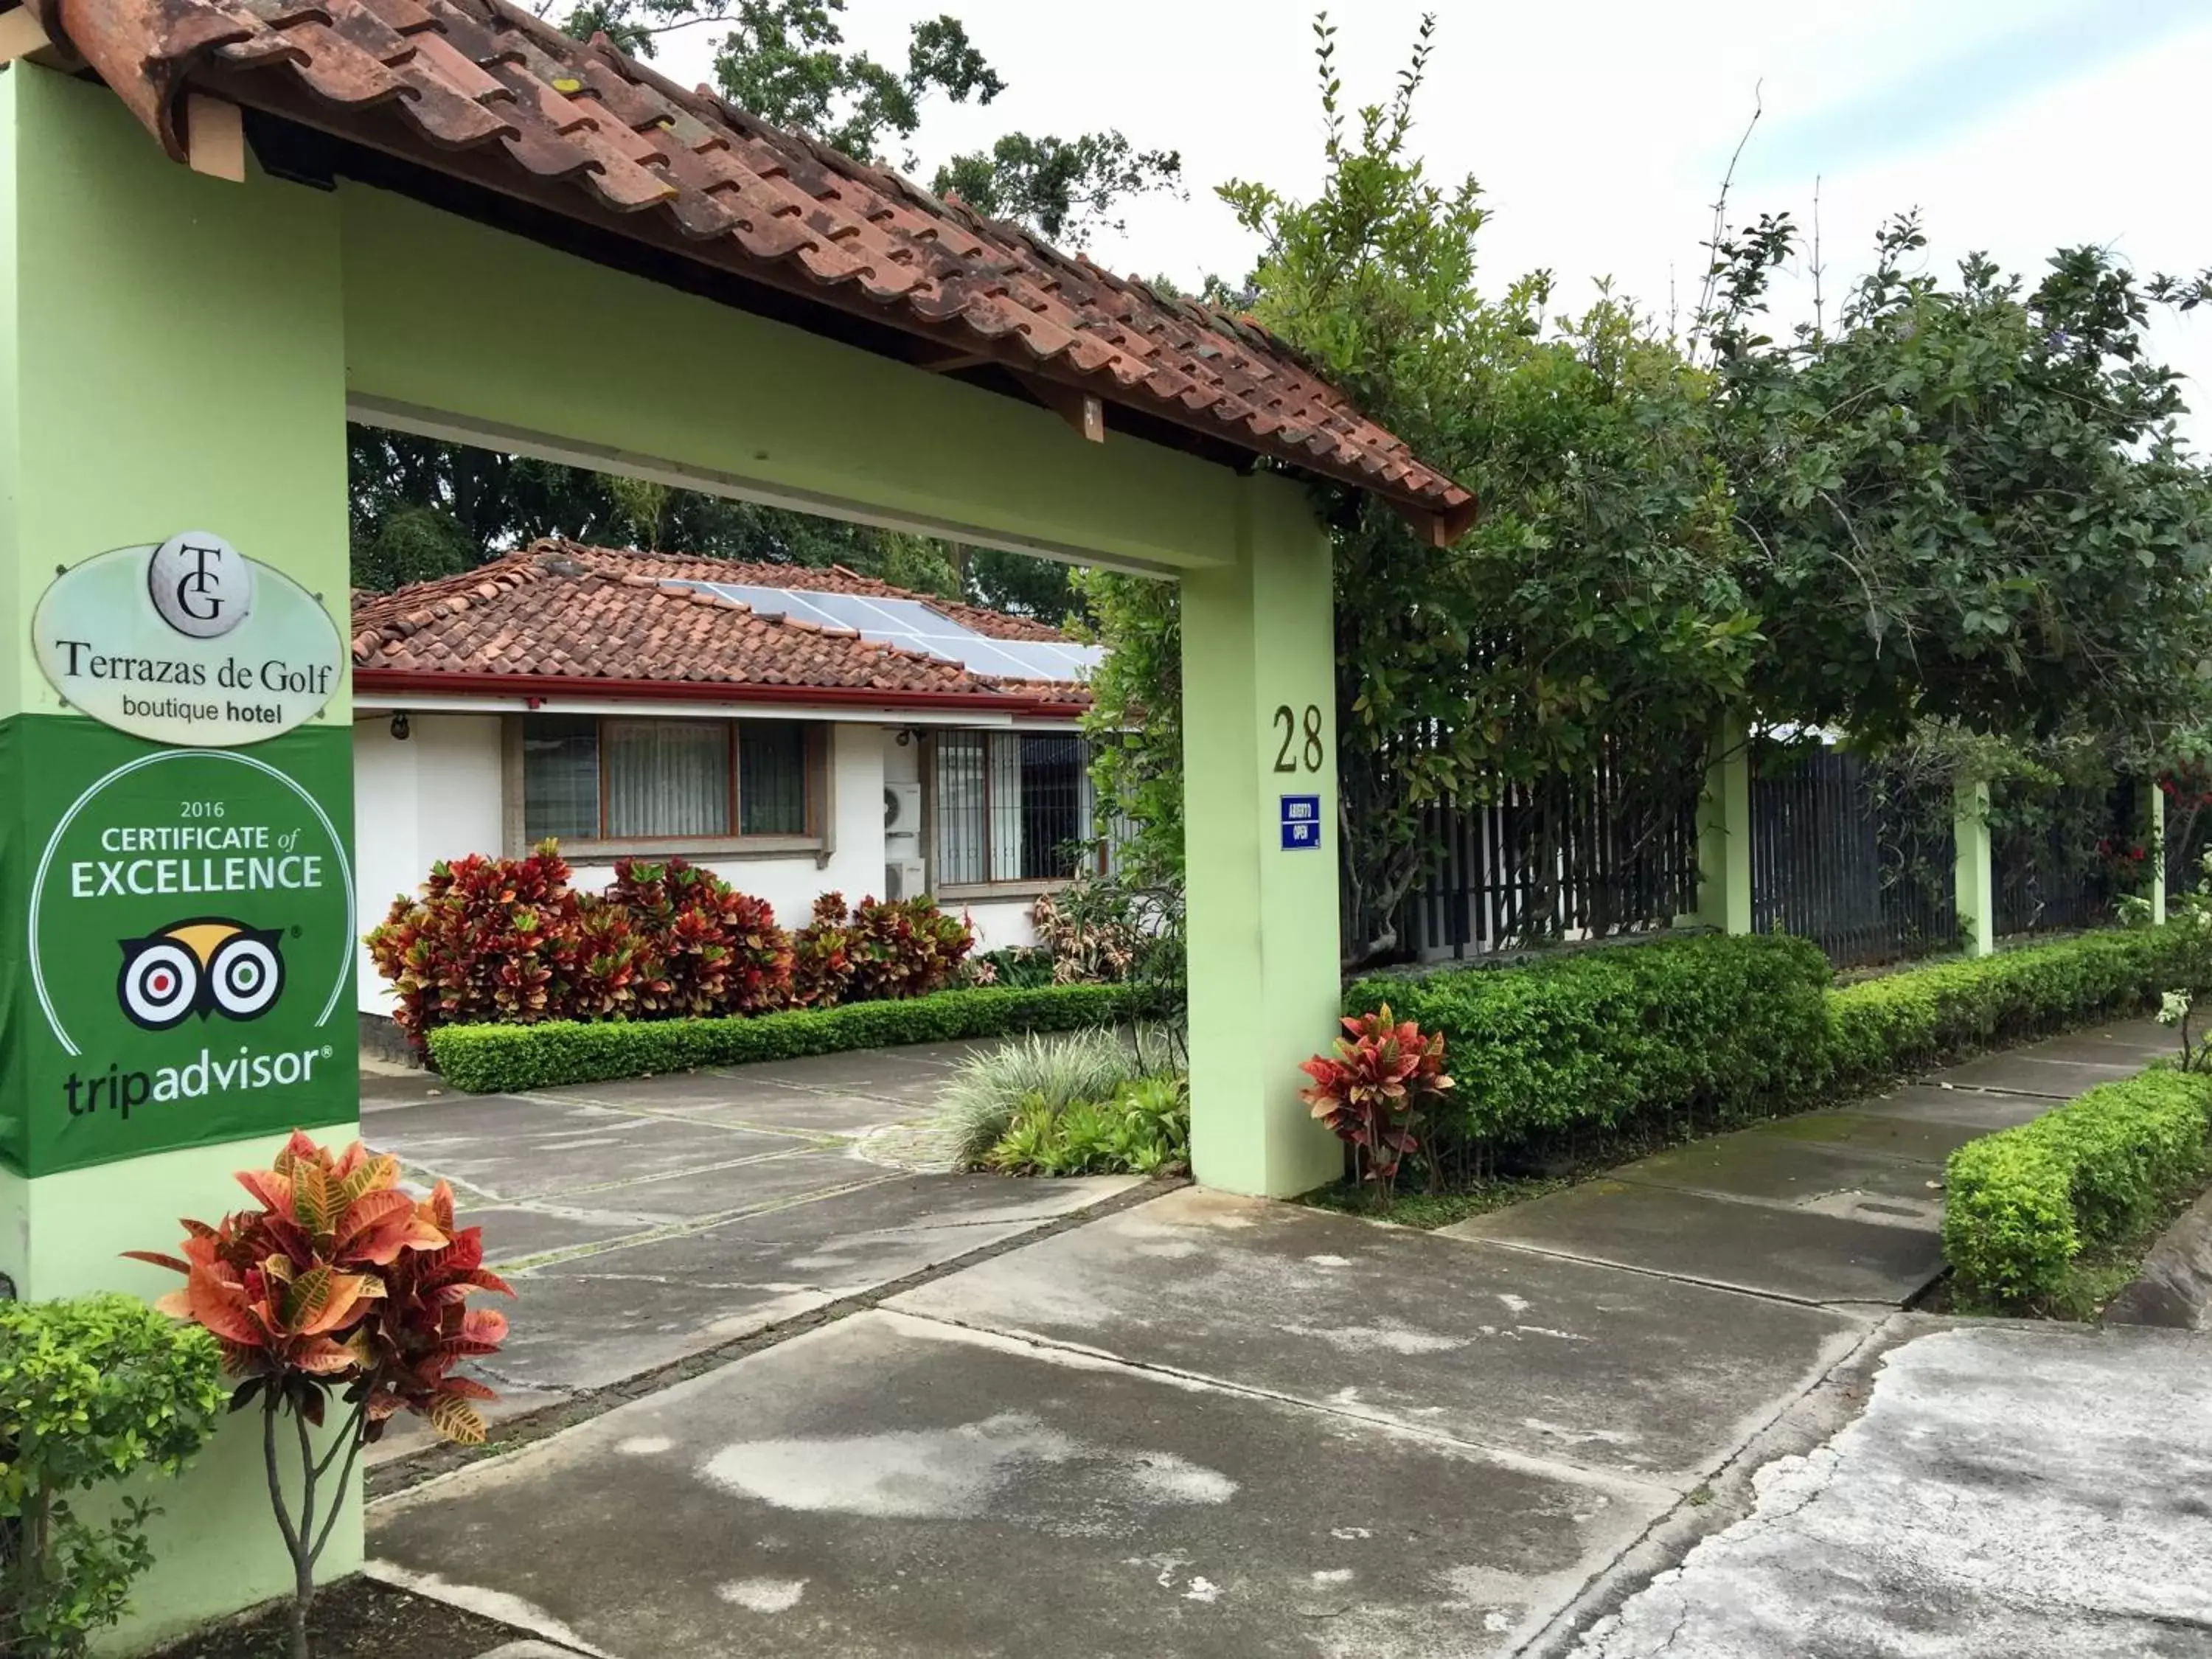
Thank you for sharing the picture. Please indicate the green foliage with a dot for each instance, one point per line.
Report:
(1063, 189)
(1595, 605)
(1971, 499)
(783, 61)
(1020, 584)
(1375, 1091)
(1734, 1027)
(1021, 968)
(989, 1090)
(1142, 1128)
(1135, 720)
(1729, 1028)
(91, 1391)
(1919, 1017)
(2022, 1204)
(501, 1059)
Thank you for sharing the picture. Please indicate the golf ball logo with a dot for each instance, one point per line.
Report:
(204, 966)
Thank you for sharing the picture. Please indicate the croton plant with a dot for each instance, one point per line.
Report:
(1374, 1089)
(338, 1281)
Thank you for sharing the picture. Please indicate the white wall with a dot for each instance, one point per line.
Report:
(999, 924)
(793, 883)
(435, 796)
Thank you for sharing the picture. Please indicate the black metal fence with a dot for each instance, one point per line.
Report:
(2188, 830)
(2058, 856)
(1858, 860)
(1615, 851)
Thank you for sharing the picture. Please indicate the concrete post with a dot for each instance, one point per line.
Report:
(176, 991)
(1724, 833)
(1975, 883)
(1260, 798)
(2153, 817)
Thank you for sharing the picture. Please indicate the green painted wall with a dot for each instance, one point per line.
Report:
(622, 373)
(2153, 818)
(171, 358)
(1264, 980)
(1724, 833)
(214, 1543)
(1974, 880)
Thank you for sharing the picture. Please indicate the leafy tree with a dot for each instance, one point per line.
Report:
(1135, 718)
(1969, 503)
(1063, 189)
(786, 61)
(1594, 610)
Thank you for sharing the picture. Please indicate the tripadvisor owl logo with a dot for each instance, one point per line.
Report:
(207, 965)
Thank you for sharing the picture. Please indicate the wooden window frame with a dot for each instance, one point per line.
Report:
(817, 761)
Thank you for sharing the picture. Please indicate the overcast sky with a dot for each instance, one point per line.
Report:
(1599, 128)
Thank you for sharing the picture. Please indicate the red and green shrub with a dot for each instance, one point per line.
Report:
(507, 942)
(885, 950)
(822, 955)
(1374, 1089)
(905, 948)
(713, 950)
(490, 939)
(337, 1282)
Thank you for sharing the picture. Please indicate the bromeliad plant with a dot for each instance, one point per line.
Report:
(339, 1282)
(1374, 1090)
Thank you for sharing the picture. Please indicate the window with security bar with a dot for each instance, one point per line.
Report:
(590, 778)
(1010, 808)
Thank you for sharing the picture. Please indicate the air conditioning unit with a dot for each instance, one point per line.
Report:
(902, 809)
(905, 878)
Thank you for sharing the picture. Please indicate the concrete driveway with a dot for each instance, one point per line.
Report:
(650, 1221)
(2017, 1493)
(1203, 1426)
(1099, 1419)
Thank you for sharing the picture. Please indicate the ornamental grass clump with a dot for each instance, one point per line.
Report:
(338, 1283)
(1039, 1078)
(1374, 1090)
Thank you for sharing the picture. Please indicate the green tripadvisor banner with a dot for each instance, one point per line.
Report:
(185, 918)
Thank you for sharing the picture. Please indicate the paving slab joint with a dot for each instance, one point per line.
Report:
(435, 1461)
(1802, 1424)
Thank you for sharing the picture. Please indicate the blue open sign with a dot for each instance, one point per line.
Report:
(1301, 822)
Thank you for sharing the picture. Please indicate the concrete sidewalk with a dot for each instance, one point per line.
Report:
(2011, 1493)
(1833, 1207)
(1220, 1427)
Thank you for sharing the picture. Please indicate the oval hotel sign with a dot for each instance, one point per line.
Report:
(189, 642)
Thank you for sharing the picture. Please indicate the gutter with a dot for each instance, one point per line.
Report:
(531, 687)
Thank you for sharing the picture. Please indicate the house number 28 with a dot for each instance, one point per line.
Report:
(1293, 756)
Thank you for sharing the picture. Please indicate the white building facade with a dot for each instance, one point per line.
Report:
(973, 789)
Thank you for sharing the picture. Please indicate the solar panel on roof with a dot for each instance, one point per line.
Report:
(911, 625)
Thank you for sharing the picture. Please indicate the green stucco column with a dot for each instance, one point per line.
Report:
(1724, 833)
(1260, 807)
(2152, 817)
(172, 367)
(1975, 877)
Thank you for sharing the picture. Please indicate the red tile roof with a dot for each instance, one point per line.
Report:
(482, 90)
(559, 614)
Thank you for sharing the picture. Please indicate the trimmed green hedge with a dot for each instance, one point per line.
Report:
(1927, 1015)
(1729, 1024)
(1741, 1026)
(2021, 1205)
(500, 1059)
